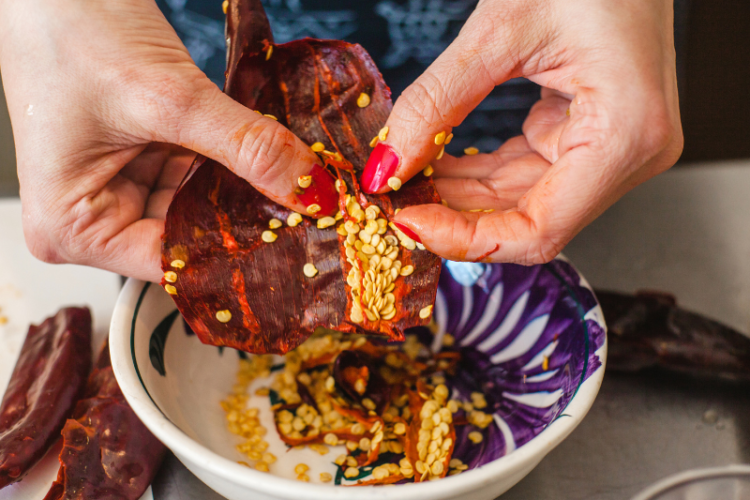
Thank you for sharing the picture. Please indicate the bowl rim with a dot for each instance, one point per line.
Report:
(185, 447)
(691, 476)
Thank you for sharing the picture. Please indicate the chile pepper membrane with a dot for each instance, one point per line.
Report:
(48, 379)
(214, 224)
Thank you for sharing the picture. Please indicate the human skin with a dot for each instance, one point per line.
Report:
(107, 109)
(608, 119)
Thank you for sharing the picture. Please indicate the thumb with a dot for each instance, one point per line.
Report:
(255, 147)
(421, 122)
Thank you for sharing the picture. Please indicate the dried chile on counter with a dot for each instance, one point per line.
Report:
(48, 379)
(107, 451)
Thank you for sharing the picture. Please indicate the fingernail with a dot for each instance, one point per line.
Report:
(408, 232)
(321, 192)
(381, 165)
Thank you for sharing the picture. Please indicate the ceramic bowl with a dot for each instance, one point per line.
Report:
(534, 339)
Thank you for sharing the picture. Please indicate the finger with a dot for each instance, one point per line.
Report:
(255, 147)
(423, 117)
(527, 233)
(482, 166)
(499, 192)
(546, 124)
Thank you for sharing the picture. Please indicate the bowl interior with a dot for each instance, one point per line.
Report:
(529, 337)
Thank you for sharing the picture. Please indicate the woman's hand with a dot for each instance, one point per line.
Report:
(103, 98)
(608, 120)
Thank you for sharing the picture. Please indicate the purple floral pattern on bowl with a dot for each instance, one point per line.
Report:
(529, 338)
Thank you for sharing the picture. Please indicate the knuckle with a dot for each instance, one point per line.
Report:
(421, 102)
(542, 251)
(266, 156)
(39, 240)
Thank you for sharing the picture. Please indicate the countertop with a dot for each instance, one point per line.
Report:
(686, 232)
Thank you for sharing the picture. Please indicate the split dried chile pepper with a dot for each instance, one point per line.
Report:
(214, 224)
(48, 379)
(107, 451)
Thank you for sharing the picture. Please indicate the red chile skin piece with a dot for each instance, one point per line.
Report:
(107, 451)
(216, 219)
(48, 379)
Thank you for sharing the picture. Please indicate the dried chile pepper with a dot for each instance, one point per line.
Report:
(48, 379)
(236, 290)
(107, 451)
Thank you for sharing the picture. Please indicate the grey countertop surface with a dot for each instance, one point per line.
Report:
(686, 232)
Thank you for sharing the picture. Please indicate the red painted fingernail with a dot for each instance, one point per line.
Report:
(381, 165)
(408, 232)
(321, 192)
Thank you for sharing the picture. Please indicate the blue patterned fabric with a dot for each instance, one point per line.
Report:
(403, 37)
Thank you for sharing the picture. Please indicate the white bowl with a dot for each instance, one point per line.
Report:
(540, 323)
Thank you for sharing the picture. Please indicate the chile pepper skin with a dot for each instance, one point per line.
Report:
(107, 451)
(48, 379)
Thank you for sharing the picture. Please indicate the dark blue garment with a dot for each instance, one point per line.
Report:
(402, 36)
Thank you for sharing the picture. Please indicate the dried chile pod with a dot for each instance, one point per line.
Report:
(648, 330)
(107, 451)
(48, 379)
(232, 288)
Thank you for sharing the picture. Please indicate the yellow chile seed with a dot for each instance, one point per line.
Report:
(425, 312)
(441, 391)
(374, 141)
(274, 223)
(294, 219)
(394, 183)
(309, 270)
(170, 276)
(304, 181)
(301, 469)
(326, 222)
(399, 428)
(318, 147)
(269, 458)
(268, 236)
(325, 477)
(225, 6)
(269, 52)
(363, 100)
(449, 139)
(178, 264)
(440, 153)
(170, 289)
(440, 138)
(368, 403)
(471, 151)
(437, 468)
(331, 439)
(455, 462)
(351, 461)
(407, 270)
(383, 134)
(261, 466)
(224, 315)
(351, 472)
(476, 437)
(340, 186)
(313, 209)
(304, 478)
(428, 171)
(271, 117)
(340, 460)
(364, 444)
